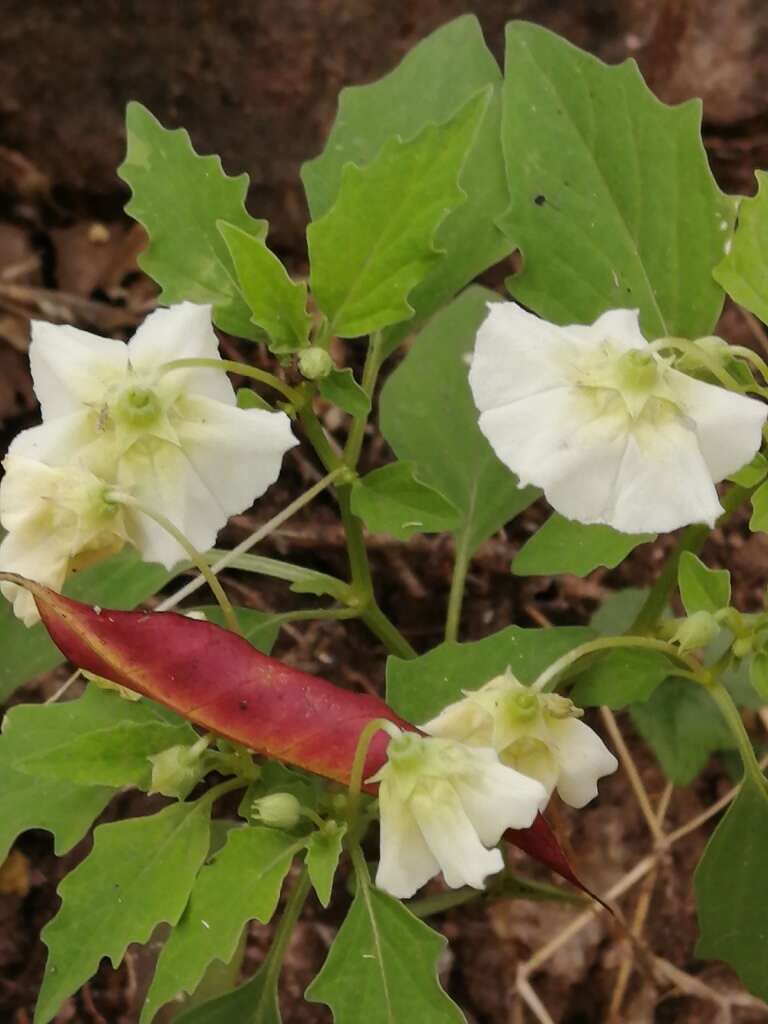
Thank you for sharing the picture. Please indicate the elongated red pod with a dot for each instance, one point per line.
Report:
(219, 681)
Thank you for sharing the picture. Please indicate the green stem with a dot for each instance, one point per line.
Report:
(692, 539)
(373, 360)
(249, 542)
(282, 936)
(439, 902)
(315, 615)
(382, 627)
(462, 558)
(223, 788)
(358, 765)
(752, 357)
(731, 714)
(549, 676)
(688, 347)
(197, 559)
(279, 570)
(243, 369)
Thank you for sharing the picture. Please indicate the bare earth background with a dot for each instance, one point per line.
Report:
(257, 81)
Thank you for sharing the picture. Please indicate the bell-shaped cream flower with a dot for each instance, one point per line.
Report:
(595, 417)
(539, 734)
(173, 439)
(58, 520)
(443, 807)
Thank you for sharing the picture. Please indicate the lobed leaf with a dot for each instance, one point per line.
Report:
(620, 677)
(613, 202)
(377, 242)
(341, 388)
(564, 546)
(743, 270)
(427, 399)
(278, 305)
(431, 83)
(702, 589)
(179, 197)
(138, 875)
(391, 500)
(731, 887)
(323, 853)
(382, 967)
(242, 882)
(254, 1002)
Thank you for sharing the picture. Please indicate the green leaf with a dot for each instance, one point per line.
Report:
(138, 875)
(743, 271)
(247, 398)
(255, 1002)
(278, 305)
(753, 473)
(702, 589)
(620, 677)
(434, 79)
(427, 400)
(27, 802)
(258, 628)
(682, 725)
(382, 967)
(618, 612)
(758, 673)
(613, 201)
(759, 520)
(419, 688)
(391, 500)
(179, 197)
(341, 388)
(731, 886)
(563, 546)
(243, 882)
(377, 242)
(123, 581)
(323, 852)
(117, 755)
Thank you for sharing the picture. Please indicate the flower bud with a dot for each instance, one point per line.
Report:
(279, 810)
(695, 631)
(315, 363)
(176, 770)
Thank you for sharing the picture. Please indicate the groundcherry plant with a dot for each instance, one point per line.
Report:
(595, 385)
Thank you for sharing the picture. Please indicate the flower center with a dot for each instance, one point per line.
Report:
(138, 406)
(637, 371)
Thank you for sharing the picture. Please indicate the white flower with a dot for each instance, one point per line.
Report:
(58, 520)
(537, 734)
(174, 440)
(603, 424)
(442, 806)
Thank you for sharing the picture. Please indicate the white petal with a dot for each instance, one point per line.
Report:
(584, 759)
(663, 482)
(619, 327)
(236, 453)
(516, 355)
(44, 560)
(62, 441)
(181, 332)
(451, 836)
(464, 721)
(729, 427)
(499, 798)
(71, 367)
(535, 760)
(405, 860)
(160, 478)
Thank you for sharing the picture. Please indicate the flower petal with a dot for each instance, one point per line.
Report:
(451, 836)
(183, 331)
(535, 759)
(406, 862)
(516, 355)
(68, 438)
(71, 367)
(729, 427)
(465, 721)
(620, 327)
(584, 759)
(236, 453)
(498, 798)
(42, 559)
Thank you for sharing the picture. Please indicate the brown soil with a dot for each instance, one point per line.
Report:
(257, 82)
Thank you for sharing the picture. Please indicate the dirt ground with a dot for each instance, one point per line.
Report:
(68, 254)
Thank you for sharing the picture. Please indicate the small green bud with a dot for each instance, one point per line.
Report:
(278, 810)
(315, 363)
(743, 646)
(175, 771)
(695, 631)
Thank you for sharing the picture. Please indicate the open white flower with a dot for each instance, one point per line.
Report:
(594, 416)
(538, 734)
(174, 440)
(58, 520)
(443, 806)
